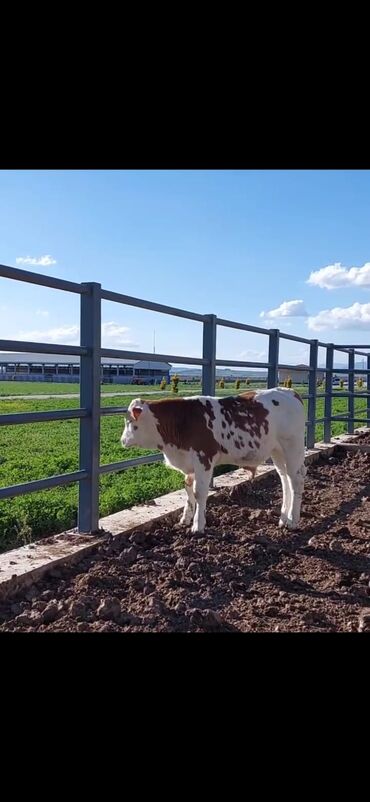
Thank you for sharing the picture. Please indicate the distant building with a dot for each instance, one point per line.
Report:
(56, 368)
(298, 376)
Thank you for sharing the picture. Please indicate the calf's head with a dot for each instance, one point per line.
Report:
(139, 426)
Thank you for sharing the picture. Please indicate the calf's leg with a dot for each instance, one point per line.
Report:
(190, 505)
(202, 482)
(280, 465)
(296, 472)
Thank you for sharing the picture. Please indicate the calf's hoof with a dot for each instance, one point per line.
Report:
(292, 524)
(185, 520)
(196, 530)
(288, 523)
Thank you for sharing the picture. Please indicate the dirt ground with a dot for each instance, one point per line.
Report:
(363, 438)
(243, 575)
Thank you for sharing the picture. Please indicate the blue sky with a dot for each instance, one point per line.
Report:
(236, 243)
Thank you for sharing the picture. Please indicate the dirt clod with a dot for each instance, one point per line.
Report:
(109, 608)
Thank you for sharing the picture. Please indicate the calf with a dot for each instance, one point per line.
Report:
(196, 434)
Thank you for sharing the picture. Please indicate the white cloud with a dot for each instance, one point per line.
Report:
(251, 355)
(298, 357)
(356, 316)
(41, 261)
(113, 335)
(62, 334)
(286, 309)
(42, 313)
(336, 275)
(116, 336)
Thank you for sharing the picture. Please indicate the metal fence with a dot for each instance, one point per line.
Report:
(90, 352)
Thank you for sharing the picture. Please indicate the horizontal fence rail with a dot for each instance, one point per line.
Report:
(152, 307)
(130, 463)
(43, 484)
(38, 417)
(232, 363)
(241, 326)
(115, 353)
(44, 348)
(43, 281)
(90, 353)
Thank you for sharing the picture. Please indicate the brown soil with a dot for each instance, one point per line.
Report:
(364, 438)
(243, 575)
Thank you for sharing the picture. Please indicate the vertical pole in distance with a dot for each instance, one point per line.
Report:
(328, 392)
(368, 391)
(312, 389)
(351, 390)
(90, 334)
(273, 359)
(209, 353)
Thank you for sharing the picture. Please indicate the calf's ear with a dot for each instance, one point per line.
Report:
(135, 408)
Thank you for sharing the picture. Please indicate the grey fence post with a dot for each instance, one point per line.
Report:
(368, 390)
(351, 389)
(328, 392)
(209, 353)
(90, 334)
(312, 389)
(273, 358)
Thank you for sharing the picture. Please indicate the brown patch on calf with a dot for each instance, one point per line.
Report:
(245, 413)
(185, 423)
(182, 423)
(210, 411)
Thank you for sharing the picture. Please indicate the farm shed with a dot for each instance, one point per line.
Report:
(56, 368)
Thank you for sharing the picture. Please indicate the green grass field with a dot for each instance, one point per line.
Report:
(34, 451)
(50, 388)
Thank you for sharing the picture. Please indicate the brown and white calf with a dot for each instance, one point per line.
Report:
(196, 434)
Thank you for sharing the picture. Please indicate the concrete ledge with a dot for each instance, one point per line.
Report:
(21, 567)
(350, 438)
(364, 448)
